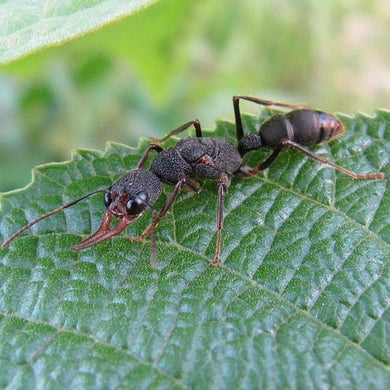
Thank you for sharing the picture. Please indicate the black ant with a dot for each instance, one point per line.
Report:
(204, 158)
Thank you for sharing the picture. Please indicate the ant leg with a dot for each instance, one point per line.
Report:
(158, 148)
(156, 218)
(153, 244)
(144, 158)
(151, 229)
(237, 116)
(223, 185)
(263, 102)
(247, 171)
(180, 129)
(322, 160)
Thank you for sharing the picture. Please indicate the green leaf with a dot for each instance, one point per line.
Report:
(300, 301)
(30, 26)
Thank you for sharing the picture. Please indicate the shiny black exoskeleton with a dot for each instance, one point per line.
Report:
(298, 128)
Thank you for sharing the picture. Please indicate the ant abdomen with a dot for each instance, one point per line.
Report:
(303, 126)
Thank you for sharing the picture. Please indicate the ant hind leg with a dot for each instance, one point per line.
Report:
(322, 160)
(223, 185)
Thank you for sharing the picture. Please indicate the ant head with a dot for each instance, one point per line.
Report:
(125, 205)
(127, 199)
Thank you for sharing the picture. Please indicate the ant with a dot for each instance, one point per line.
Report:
(204, 158)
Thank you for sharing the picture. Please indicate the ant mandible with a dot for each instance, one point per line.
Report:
(204, 158)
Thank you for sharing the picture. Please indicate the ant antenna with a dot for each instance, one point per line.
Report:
(63, 207)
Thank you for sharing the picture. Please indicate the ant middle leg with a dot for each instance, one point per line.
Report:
(263, 102)
(180, 129)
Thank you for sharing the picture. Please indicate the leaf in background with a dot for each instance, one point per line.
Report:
(27, 27)
(300, 301)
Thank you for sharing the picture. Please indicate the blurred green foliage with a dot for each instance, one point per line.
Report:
(181, 59)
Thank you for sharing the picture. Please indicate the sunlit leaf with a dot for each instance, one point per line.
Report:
(26, 27)
(301, 300)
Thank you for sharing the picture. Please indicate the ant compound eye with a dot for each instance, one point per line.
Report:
(136, 204)
(107, 198)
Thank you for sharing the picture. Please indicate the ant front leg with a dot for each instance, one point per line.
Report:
(180, 129)
(156, 219)
(223, 185)
(151, 229)
(263, 102)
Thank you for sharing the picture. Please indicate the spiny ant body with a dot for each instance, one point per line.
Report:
(204, 158)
